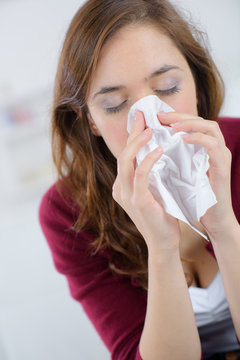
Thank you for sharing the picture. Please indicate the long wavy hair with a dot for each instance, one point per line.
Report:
(85, 166)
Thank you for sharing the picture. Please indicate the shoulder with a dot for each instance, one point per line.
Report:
(106, 298)
(53, 205)
(56, 213)
(230, 128)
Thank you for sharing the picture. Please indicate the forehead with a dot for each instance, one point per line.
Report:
(133, 51)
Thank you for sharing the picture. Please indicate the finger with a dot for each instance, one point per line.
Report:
(212, 145)
(127, 163)
(138, 126)
(173, 116)
(208, 127)
(177, 120)
(141, 181)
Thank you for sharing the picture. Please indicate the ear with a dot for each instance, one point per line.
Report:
(93, 126)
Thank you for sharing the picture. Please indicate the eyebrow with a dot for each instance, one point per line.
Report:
(161, 70)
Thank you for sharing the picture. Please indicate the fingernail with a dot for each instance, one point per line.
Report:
(185, 136)
(173, 124)
(136, 115)
(146, 131)
(159, 149)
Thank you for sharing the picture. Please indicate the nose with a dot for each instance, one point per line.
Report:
(142, 93)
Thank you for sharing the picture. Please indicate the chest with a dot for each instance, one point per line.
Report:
(199, 266)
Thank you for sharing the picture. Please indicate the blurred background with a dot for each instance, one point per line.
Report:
(38, 319)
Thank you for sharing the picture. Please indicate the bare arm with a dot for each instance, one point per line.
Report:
(219, 220)
(226, 246)
(170, 330)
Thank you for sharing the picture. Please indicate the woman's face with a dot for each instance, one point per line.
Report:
(125, 74)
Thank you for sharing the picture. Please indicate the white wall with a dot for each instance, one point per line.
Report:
(220, 19)
(39, 320)
(30, 38)
(32, 33)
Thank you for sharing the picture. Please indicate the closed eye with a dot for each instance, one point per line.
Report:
(116, 109)
(173, 90)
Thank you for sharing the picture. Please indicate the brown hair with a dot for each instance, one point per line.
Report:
(85, 165)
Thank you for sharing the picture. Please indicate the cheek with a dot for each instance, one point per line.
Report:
(186, 100)
(113, 130)
(187, 104)
(115, 137)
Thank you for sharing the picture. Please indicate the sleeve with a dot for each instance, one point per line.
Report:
(230, 128)
(112, 302)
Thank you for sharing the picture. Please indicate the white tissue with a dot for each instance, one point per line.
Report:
(178, 180)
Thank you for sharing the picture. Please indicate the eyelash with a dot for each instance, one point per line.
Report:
(171, 91)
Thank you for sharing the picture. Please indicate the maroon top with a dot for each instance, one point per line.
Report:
(115, 304)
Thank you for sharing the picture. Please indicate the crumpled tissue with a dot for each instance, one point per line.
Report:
(178, 180)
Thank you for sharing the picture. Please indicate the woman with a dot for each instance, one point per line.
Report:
(133, 267)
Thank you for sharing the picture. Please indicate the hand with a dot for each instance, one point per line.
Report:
(208, 134)
(130, 189)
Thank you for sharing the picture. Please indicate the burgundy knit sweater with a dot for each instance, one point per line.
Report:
(115, 304)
